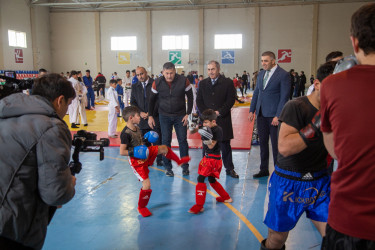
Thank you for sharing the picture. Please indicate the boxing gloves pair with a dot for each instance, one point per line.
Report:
(206, 135)
(311, 132)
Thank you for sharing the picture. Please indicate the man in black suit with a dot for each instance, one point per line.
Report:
(140, 96)
(218, 93)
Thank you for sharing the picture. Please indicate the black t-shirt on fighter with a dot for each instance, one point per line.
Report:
(217, 133)
(298, 113)
(131, 138)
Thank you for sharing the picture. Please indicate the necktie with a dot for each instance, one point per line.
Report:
(265, 79)
(144, 89)
(213, 81)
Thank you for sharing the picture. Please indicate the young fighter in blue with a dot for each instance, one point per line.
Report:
(300, 182)
(211, 164)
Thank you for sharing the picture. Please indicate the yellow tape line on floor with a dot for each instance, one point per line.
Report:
(233, 209)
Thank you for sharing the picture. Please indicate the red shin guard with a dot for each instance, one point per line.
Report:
(172, 156)
(221, 191)
(200, 198)
(144, 197)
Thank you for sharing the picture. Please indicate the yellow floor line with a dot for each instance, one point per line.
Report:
(233, 209)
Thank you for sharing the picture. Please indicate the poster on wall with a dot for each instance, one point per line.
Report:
(175, 57)
(123, 57)
(284, 56)
(227, 57)
(18, 55)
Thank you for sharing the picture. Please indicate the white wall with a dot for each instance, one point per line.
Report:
(123, 24)
(15, 15)
(230, 21)
(73, 42)
(176, 22)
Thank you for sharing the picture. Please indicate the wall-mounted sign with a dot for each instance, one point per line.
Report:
(284, 56)
(227, 57)
(18, 55)
(123, 58)
(175, 57)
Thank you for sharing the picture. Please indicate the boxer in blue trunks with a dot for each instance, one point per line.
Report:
(300, 182)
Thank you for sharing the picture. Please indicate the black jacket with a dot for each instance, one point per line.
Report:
(219, 97)
(137, 99)
(172, 99)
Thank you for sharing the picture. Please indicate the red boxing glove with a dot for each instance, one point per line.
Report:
(311, 132)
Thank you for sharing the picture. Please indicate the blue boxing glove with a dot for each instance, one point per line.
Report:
(140, 152)
(151, 137)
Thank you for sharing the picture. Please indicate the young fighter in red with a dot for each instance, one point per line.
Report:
(211, 164)
(141, 156)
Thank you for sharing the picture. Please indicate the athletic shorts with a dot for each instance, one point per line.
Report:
(210, 165)
(140, 167)
(289, 199)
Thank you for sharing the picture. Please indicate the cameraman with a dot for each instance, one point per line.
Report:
(34, 155)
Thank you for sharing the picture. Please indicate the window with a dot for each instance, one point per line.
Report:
(228, 41)
(175, 42)
(123, 43)
(17, 39)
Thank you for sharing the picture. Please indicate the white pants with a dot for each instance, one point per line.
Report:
(127, 95)
(73, 111)
(82, 112)
(112, 121)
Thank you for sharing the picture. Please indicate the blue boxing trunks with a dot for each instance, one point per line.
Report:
(290, 197)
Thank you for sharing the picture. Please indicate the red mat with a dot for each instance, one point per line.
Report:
(242, 129)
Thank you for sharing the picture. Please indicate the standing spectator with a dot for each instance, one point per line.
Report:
(82, 101)
(291, 75)
(87, 79)
(271, 93)
(244, 81)
(34, 158)
(351, 140)
(134, 77)
(120, 94)
(254, 79)
(218, 93)
(171, 89)
(74, 106)
(113, 109)
(140, 97)
(302, 83)
(127, 84)
(296, 84)
(115, 76)
(312, 78)
(100, 78)
(190, 77)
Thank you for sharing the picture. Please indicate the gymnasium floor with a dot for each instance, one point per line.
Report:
(103, 214)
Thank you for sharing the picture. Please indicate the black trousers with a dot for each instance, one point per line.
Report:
(265, 130)
(336, 241)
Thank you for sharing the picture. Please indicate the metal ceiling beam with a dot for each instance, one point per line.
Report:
(59, 4)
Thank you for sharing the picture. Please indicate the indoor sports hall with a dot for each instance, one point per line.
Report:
(109, 37)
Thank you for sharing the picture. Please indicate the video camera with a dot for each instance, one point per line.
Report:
(10, 84)
(85, 141)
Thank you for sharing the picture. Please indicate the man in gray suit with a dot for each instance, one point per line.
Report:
(270, 95)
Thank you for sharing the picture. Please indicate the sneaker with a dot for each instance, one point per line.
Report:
(169, 173)
(185, 172)
(73, 126)
(85, 125)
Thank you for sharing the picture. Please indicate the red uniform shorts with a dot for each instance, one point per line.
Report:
(210, 166)
(140, 167)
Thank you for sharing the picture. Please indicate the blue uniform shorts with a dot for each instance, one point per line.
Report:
(289, 198)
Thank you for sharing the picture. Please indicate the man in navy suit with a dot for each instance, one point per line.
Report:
(270, 95)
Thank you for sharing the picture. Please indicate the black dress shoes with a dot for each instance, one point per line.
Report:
(74, 126)
(261, 174)
(232, 173)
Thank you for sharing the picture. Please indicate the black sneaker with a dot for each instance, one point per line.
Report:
(169, 173)
(185, 172)
(233, 174)
(261, 174)
(74, 126)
